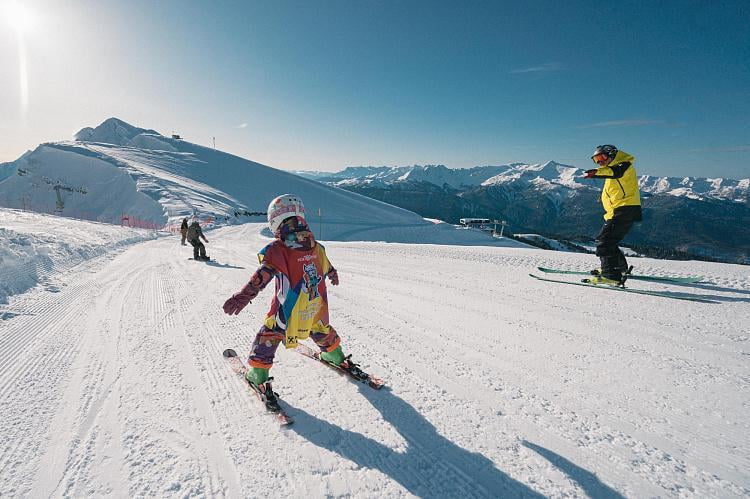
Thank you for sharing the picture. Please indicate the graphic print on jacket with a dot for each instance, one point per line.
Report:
(300, 303)
(312, 279)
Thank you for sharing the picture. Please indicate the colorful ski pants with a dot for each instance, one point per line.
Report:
(268, 340)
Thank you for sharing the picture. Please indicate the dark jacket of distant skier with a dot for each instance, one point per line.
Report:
(194, 232)
(620, 196)
(184, 230)
(194, 236)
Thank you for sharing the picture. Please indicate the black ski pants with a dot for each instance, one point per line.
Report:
(607, 249)
(199, 250)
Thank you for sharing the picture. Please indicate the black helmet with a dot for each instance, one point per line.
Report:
(608, 149)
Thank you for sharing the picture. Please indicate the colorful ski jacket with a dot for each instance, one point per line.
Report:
(620, 195)
(300, 303)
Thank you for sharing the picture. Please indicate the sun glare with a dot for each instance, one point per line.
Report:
(17, 15)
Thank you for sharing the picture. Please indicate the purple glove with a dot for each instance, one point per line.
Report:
(236, 303)
(334, 277)
(258, 281)
(590, 173)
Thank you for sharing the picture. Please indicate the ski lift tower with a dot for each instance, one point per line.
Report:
(502, 224)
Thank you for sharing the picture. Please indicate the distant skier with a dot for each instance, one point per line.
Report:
(622, 205)
(299, 308)
(184, 230)
(194, 236)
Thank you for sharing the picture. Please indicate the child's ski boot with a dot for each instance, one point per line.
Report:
(336, 358)
(260, 382)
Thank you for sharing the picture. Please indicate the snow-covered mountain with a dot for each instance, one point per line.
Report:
(541, 175)
(704, 218)
(385, 175)
(697, 188)
(117, 170)
(115, 131)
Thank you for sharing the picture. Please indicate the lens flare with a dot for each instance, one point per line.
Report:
(19, 18)
(17, 15)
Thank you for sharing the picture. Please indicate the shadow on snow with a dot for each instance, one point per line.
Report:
(432, 466)
(588, 481)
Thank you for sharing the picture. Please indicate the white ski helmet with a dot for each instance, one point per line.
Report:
(283, 207)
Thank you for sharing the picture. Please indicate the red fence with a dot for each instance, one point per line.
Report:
(131, 221)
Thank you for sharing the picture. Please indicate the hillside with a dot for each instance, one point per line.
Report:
(158, 180)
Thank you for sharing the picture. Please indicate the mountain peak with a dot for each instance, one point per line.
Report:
(112, 131)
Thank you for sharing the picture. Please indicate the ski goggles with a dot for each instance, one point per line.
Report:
(600, 159)
(292, 225)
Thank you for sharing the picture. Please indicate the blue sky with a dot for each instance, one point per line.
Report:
(327, 84)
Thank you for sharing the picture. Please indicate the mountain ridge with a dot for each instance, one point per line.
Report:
(716, 187)
(703, 217)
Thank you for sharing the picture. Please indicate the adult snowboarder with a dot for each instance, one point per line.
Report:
(622, 205)
(299, 308)
(184, 231)
(194, 236)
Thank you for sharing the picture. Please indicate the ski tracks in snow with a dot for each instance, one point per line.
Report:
(502, 352)
(100, 391)
(496, 386)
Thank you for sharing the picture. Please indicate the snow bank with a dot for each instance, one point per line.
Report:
(35, 247)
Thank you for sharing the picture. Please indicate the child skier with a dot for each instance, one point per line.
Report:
(622, 205)
(299, 308)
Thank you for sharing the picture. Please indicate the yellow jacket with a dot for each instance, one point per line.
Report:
(620, 195)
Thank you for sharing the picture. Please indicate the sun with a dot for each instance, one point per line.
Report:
(17, 15)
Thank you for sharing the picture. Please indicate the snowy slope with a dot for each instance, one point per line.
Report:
(116, 169)
(499, 385)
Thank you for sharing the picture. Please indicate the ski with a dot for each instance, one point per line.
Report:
(636, 277)
(355, 373)
(272, 406)
(664, 294)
